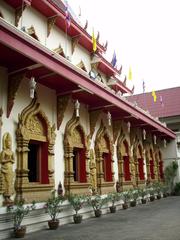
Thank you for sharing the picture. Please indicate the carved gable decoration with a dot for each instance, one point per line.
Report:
(103, 140)
(34, 124)
(59, 51)
(31, 31)
(82, 66)
(74, 133)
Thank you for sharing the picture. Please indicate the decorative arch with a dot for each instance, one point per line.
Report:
(35, 155)
(76, 157)
(104, 161)
(140, 160)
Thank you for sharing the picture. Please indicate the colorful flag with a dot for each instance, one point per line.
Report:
(67, 15)
(114, 59)
(130, 74)
(154, 96)
(94, 42)
(144, 87)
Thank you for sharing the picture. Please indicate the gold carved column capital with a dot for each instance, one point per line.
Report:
(50, 23)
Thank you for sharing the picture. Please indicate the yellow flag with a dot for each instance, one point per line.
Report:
(154, 95)
(130, 74)
(94, 42)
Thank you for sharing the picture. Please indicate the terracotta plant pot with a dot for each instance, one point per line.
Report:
(77, 218)
(20, 232)
(133, 203)
(98, 212)
(143, 201)
(125, 206)
(53, 224)
(112, 209)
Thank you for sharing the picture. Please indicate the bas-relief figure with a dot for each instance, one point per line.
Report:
(7, 160)
(93, 172)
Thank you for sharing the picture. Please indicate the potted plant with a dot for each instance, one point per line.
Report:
(134, 196)
(76, 202)
(143, 195)
(19, 211)
(126, 198)
(165, 191)
(53, 208)
(113, 197)
(151, 192)
(96, 202)
(158, 189)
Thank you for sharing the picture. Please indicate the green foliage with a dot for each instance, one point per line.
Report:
(53, 205)
(170, 173)
(126, 196)
(113, 197)
(143, 192)
(76, 201)
(96, 201)
(19, 210)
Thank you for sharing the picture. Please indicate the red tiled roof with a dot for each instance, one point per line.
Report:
(170, 105)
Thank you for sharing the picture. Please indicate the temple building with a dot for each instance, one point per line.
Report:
(64, 114)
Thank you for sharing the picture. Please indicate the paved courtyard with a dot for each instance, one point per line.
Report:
(153, 221)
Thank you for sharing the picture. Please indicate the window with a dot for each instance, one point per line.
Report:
(38, 161)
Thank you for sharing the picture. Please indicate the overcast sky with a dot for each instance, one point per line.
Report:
(144, 33)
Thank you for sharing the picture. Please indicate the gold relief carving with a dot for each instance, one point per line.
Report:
(103, 144)
(33, 124)
(62, 102)
(31, 31)
(93, 177)
(74, 137)
(59, 51)
(50, 23)
(94, 117)
(82, 66)
(7, 159)
(74, 42)
(13, 86)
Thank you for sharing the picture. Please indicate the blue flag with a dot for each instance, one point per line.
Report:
(114, 60)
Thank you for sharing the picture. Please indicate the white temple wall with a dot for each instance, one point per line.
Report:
(7, 12)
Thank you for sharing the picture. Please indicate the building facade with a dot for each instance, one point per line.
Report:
(167, 110)
(63, 115)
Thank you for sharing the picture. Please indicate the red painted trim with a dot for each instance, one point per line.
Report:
(17, 40)
(82, 165)
(127, 175)
(107, 167)
(44, 163)
(141, 168)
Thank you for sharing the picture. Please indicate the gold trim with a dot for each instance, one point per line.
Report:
(33, 124)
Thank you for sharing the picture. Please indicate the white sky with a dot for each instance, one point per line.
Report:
(144, 33)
